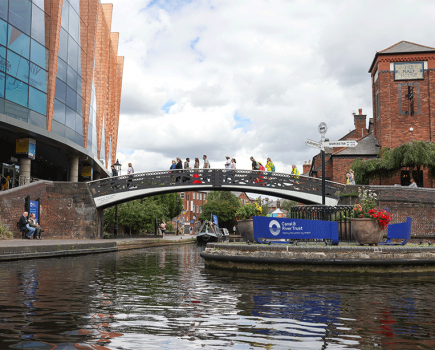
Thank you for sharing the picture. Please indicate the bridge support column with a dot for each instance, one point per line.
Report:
(74, 168)
(100, 226)
(25, 167)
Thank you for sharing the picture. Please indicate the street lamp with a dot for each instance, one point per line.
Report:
(117, 166)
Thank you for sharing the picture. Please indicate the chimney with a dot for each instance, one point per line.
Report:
(278, 204)
(360, 124)
(306, 167)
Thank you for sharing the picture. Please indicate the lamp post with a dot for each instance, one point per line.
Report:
(178, 205)
(117, 166)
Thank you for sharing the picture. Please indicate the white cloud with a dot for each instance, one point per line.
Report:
(283, 66)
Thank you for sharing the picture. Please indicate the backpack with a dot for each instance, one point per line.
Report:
(273, 167)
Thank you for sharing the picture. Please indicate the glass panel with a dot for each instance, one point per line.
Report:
(58, 128)
(65, 9)
(3, 32)
(19, 66)
(38, 26)
(79, 105)
(71, 98)
(38, 77)
(16, 91)
(15, 111)
(70, 118)
(60, 93)
(73, 50)
(79, 124)
(76, 5)
(59, 111)
(79, 139)
(71, 78)
(19, 14)
(2, 106)
(79, 85)
(74, 25)
(4, 9)
(4, 64)
(38, 54)
(89, 133)
(70, 134)
(37, 101)
(38, 119)
(63, 45)
(61, 69)
(39, 3)
(18, 42)
(2, 85)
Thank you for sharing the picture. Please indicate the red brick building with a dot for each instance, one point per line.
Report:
(403, 83)
(192, 203)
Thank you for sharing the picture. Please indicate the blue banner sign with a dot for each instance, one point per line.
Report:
(215, 220)
(34, 209)
(277, 229)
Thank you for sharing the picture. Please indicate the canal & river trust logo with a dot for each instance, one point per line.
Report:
(274, 227)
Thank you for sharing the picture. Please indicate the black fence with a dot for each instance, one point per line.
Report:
(339, 213)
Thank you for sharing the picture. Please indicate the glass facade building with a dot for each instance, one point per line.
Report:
(60, 83)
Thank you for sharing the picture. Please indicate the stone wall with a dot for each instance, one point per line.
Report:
(67, 209)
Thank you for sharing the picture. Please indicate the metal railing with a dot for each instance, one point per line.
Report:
(265, 182)
(339, 213)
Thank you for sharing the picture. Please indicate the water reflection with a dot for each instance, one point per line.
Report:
(164, 298)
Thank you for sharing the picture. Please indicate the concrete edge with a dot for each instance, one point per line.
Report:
(52, 254)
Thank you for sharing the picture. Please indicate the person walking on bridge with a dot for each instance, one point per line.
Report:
(295, 172)
(187, 163)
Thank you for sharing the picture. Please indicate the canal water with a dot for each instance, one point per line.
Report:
(164, 298)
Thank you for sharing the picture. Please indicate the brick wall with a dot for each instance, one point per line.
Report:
(67, 209)
(417, 203)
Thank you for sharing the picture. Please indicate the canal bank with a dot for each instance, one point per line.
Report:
(18, 249)
(319, 258)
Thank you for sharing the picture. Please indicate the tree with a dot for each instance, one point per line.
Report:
(287, 204)
(139, 215)
(222, 204)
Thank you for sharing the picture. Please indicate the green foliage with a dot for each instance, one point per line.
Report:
(414, 154)
(246, 211)
(139, 215)
(224, 205)
(287, 204)
(5, 233)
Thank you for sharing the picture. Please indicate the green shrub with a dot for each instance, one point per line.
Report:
(5, 233)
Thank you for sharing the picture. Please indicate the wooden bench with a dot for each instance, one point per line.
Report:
(399, 231)
(24, 231)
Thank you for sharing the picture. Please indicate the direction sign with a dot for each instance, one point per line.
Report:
(345, 143)
(312, 143)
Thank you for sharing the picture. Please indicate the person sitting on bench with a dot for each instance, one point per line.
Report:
(25, 224)
(33, 223)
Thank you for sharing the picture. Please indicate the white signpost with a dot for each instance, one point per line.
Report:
(323, 128)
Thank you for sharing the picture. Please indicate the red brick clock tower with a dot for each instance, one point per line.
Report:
(403, 88)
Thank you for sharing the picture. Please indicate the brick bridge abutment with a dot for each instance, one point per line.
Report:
(67, 209)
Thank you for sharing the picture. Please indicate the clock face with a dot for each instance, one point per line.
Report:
(323, 128)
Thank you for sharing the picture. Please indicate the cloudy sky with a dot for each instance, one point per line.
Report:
(250, 77)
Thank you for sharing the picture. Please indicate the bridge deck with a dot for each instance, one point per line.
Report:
(116, 190)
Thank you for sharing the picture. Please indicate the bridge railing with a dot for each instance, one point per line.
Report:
(212, 178)
(339, 213)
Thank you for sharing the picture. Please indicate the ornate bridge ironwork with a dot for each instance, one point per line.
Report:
(115, 190)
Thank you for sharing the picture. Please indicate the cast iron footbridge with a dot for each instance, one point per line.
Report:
(116, 190)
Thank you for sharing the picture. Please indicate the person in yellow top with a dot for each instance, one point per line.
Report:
(295, 172)
(6, 184)
(269, 165)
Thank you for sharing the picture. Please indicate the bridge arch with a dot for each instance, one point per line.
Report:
(116, 190)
